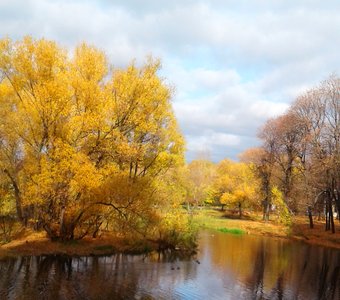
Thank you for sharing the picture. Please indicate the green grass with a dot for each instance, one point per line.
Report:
(213, 219)
(236, 231)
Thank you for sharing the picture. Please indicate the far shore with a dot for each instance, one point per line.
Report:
(252, 223)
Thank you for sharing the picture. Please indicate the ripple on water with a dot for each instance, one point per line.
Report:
(230, 268)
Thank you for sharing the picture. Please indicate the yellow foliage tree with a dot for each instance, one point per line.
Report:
(281, 207)
(200, 174)
(236, 184)
(79, 142)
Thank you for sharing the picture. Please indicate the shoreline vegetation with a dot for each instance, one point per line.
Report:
(28, 242)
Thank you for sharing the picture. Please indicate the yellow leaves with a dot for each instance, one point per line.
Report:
(236, 182)
(7, 203)
(281, 207)
(90, 63)
(228, 197)
(88, 69)
(63, 174)
(80, 134)
(5, 53)
(37, 60)
(140, 97)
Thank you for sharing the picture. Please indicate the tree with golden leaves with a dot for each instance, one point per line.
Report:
(81, 141)
(236, 185)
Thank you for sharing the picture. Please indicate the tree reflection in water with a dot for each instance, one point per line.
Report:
(230, 267)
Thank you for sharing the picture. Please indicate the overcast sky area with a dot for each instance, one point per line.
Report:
(233, 63)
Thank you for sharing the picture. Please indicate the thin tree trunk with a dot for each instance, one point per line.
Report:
(311, 225)
(265, 210)
(62, 223)
(331, 216)
(17, 196)
(327, 215)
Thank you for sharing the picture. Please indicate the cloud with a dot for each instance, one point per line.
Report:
(266, 109)
(234, 63)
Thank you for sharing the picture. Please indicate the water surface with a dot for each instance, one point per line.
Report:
(226, 267)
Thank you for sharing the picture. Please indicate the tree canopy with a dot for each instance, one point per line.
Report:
(81, 141)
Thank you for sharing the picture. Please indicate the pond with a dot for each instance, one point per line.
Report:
(226, 267)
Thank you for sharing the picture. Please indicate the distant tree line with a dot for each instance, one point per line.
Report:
(300, 153)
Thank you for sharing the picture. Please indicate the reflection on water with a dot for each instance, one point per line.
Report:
(226, 267)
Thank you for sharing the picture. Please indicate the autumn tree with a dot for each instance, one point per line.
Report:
(201, 174)
(236, 185)
(303, 147)
(261, 164)
(80, 141)
(282, 141)
(319, 111)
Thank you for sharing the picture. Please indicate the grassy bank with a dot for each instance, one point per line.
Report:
(249, 224)
(253, 224)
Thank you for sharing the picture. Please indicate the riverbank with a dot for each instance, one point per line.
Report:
(253, 224)
(28, 242)
(316, 235)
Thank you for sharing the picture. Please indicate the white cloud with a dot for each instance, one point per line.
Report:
(266, 109)
(234, 63)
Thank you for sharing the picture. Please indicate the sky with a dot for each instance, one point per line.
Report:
(233, 63)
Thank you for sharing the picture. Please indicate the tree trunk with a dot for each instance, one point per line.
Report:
(240, 209)
(327, 227)
(17, 196)
(18, 203)
(266, 206)
(51, 233)
(266, 201)
(188, 207)
(336, 196)
(331, 219)
(97, 227)
(311, 225)
(288, 178)
(62, 226)
(338, 203)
